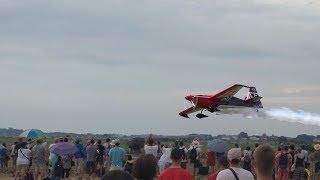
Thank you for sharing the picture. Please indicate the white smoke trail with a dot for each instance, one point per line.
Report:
(287, 114)
(281, 114)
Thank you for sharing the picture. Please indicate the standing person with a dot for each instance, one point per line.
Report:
(107, 143)
(299, 165)
(128, 166)
(145, 167)
(23, 161)
(247, 155)
(235, 171)
(107, 147)
(100, 157)
(90, 159)
(39, 160)
(66, 164)
(159, 151)
(66, 161)
(292, 152)
(183, 152)
(150, 147)
(165, 160)
(222, 165)
(283, 162)
(264, 160)
(14, 155)
(17, 146)
(194, 153)
(175, 172)
(211, 159)
(56, 168)
(4, 157)
(308, 171)
(315, 159)
(116, 155)
(79, 156)
(305, 153)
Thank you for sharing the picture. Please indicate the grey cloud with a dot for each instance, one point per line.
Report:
(122, 61)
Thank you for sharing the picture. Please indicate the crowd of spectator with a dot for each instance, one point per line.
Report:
(109, 161)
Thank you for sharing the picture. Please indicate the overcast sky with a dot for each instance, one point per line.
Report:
(125, 66)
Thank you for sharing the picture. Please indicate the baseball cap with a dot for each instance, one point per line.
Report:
(234, 153)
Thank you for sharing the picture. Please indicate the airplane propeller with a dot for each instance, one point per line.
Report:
(194, 102)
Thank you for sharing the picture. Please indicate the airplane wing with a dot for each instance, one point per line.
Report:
(226, 94)
(189, 111)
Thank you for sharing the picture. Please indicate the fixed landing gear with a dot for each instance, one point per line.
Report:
(200, 116)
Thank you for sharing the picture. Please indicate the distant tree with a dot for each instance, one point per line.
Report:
(304, 138)
(243, 135)
(282, 139)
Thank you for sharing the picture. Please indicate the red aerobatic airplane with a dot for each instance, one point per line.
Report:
(222, 101)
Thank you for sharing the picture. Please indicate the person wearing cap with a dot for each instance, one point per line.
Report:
(315, 159)
(175, 172)
(116, 155)
(223, 164)
(235, 171)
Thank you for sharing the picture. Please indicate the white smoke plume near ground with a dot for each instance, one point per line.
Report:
(281, 114)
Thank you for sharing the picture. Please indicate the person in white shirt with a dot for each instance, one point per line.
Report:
(23, 161)
(235, 172)
(165, 160)
(150, 147)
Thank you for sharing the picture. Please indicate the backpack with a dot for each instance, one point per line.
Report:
(182, 153)
(203, 170)
(193, 155)
(283, 160)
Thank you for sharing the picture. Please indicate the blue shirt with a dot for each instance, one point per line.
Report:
(117, 155)
(79, 152)
(53, 158)
(3, 152)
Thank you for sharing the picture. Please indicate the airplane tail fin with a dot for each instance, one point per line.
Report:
(254, 97)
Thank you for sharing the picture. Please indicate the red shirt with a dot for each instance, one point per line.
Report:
(175, 173)
(213, 176)
(211, 161)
